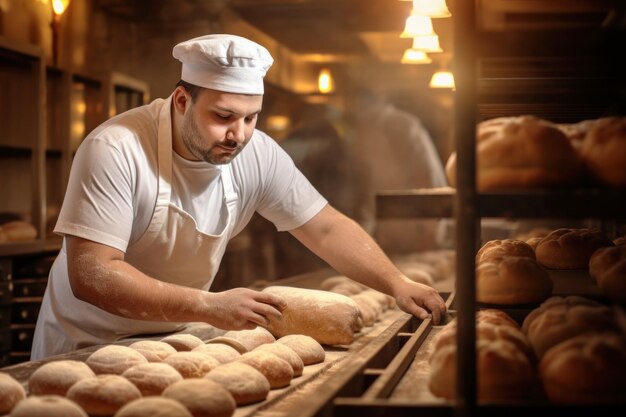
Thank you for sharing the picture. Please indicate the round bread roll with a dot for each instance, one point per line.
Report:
(496, 317)
(608, 267)
(55, 378)
(285, 353)
(251, 338)
(561, 322)
(153, 407)
(18, 231)
(47, 406)
(533, 242)
(587, 369)
(222, 352)
(202, 397)
(114, 359)
(533, 233)
(376, 303)
(368, 313)
(245, 383)
(309, 350)
(183, 342)
(604, 150)
(103, 395)
(152, 378)
(153, 350)
(192, 364)
(327, 317)
(513, 280)
(11, 393)
(486, 331)
(504, 373)
(495, 250)
(277, 371)
(570, 300)
(333, 281)
(228, 341)
(521, 151)
(570, 248)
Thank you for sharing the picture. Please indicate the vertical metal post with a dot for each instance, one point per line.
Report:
(465, 112)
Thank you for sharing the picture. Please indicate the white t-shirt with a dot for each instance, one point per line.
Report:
(112, 189)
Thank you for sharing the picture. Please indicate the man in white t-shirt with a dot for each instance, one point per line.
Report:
(155, 194)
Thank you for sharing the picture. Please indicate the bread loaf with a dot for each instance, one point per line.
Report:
(246, 384)
(521, 152)
(202, 397)
(608, 267)
(586, 369)
(48, 406)
(114, 359)
(570, 248)
(153, 350)
(495, 250)
(183, 342)
(285, 353)
(309, 350)
(192, 364)
(11, 393)
(604, 150)
(152, 378)
(569, 301)
(277, 371)
(18, 231)
(153, 407)
(250, 339)
(55, 378)
(222, 352)
(327, 317)
(513, 280)
(103, 395)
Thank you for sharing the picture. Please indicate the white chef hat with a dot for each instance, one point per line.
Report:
(226, 63)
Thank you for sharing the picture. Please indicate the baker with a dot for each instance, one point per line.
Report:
(155, 194)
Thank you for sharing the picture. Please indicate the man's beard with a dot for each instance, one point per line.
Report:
(193, 142)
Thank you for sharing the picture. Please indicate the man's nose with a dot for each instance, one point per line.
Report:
(237, 131)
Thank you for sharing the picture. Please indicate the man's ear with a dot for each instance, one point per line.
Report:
(181, 99)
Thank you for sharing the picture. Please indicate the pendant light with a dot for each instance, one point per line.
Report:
(430, 8)
(417, 25)
(414, 56)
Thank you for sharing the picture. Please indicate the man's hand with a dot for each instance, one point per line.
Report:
(419, 300)
(242, 308)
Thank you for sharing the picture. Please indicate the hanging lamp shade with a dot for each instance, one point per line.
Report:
(428, 43)
(430, 8)
(417, 25)
(414, 56)
(442, 79)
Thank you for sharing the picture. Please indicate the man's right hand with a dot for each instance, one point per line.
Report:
(243, 308)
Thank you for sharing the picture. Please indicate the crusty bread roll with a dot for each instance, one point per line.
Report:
(202, 397)
(250, 339)
(604, 150)
(368, 312)
(246, 384)
(494, 316)
(309, 350)
(228, 341)
(55, 378)
(47, 406)
(153, 350)
(183, 342)
(153, 407)
(495, 250)
(277, 371)
(587, 369)
(327, 317)
(570, 248)
(153, 377)
(114, 359)
(17, 231)
(513, 280)
(570, 300)
(504, 373)
(222, 352)
(521, 152)
(346, 288)
(533, 242)
(335, 280)
(11, 393)
(103, 395)
(285, 353)
(564, 321)
(192, 364)
(608, 267)
(486, 331)
(577, 132)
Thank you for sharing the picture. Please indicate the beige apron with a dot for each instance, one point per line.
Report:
(171, 250)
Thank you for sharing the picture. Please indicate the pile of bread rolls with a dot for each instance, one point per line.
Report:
(179, 375)
(17, 231)
(526, 151)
